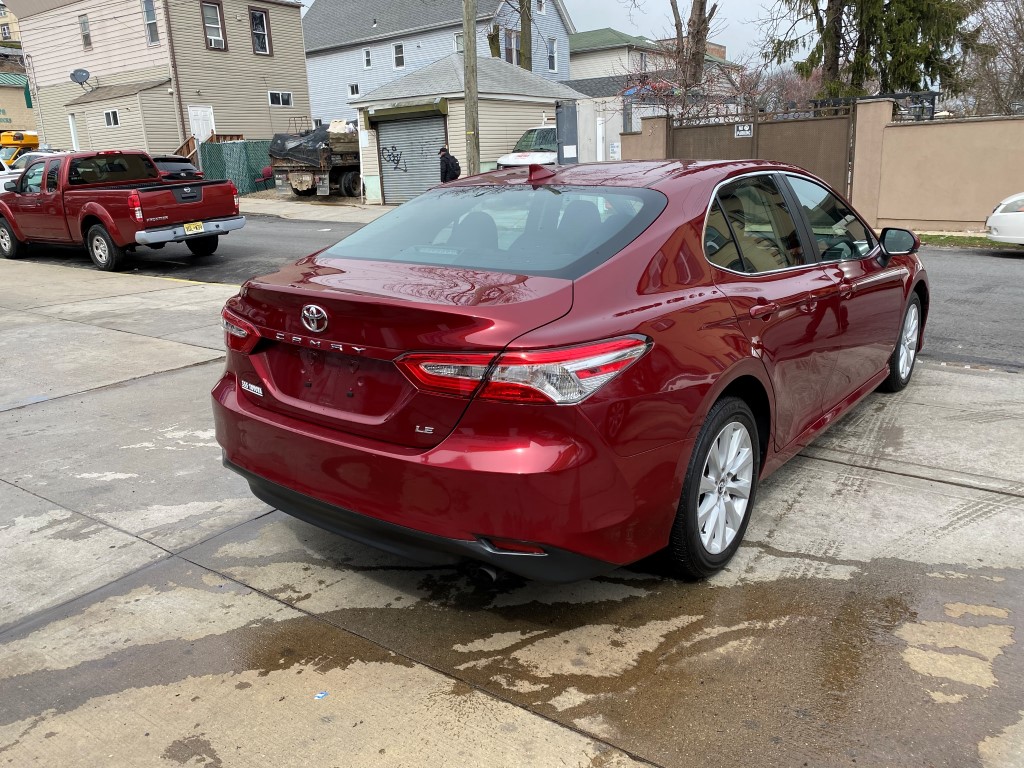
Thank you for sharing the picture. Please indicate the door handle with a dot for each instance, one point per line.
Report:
(845, 289)
(764, 310)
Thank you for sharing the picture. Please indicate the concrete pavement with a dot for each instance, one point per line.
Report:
(153, 612)
(329, 209)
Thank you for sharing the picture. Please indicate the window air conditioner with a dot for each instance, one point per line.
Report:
(215, 42)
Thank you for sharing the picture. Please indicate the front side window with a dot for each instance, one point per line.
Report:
(111, 118)
(398, 55)
(554, 231)
(764, 230)
(279, 98)
(32, 181)
(259, 22)
(552, 55)
(83, 27)
(838, 234)
(213, 26)
(149, 19)
(51, 175)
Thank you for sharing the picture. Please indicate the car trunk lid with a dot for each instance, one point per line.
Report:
(343, 376)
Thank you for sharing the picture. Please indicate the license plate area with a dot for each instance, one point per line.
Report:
(194, 228)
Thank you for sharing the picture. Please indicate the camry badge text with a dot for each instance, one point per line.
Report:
(314, 318)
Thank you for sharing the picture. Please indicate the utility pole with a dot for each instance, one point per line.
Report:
(472, 94)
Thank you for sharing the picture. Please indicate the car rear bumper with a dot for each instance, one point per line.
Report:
(177, 233)
(587, 508)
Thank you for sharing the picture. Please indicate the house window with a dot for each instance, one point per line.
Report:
(317, 122)
(366, 58)
(3, 10)
(259, 23)
(398, 54)
(460, 42)
(111, 119)
(5, 31)
(512, 46)
(213, 26)
(83, 26)
(353, 89)
(643, 61)
(149, 19)
(552, 55)
(542, 7)
(280, 98)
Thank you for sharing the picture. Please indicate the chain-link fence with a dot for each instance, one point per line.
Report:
(241, 161)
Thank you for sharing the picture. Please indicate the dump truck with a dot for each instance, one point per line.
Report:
(322, 161)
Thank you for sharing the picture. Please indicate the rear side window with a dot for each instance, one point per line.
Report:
(112, 168)
(763, 227)
(719, 246)
(554, 231)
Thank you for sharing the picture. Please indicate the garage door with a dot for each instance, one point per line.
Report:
(408, 156)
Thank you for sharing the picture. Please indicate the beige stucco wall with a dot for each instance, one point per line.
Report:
(948, 175)
(650, 143)
(15, 114)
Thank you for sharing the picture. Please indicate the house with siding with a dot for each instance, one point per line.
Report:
(15, 103)
(403, 124)
(162, 71)
(10, 31)
(354, 47)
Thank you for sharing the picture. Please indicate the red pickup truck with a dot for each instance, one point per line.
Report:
(113, 202)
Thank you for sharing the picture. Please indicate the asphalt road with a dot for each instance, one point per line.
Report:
(976, 294)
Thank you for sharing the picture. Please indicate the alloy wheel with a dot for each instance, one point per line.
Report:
(5, 240)
(725, 487)
(100, 252)
(908, 341)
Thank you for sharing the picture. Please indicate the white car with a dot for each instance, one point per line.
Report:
(12, 171)
(538, 146)
(1006, 224)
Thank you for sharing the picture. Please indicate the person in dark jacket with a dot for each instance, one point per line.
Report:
(450, 169)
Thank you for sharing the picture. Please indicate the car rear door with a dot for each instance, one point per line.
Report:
(773, 282)
(869, 294)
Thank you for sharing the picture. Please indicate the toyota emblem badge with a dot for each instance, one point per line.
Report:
(314, 318)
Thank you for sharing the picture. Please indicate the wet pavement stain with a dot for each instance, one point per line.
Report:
(184, 751)
(791, 669)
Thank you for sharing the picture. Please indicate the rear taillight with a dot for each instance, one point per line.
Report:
(561, 376)
(239, 335)
(135, 205)
(234, 191)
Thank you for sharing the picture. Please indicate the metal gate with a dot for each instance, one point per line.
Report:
(820, 143)
(408, 156)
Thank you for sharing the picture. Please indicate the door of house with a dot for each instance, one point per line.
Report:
(408, 156)
(200, 118)
(73, 125)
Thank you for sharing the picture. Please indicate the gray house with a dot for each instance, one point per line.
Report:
(354, 47)
(404, 123)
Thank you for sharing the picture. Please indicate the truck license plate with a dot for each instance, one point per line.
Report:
(194, 228)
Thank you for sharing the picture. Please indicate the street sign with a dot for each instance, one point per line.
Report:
(744, 131)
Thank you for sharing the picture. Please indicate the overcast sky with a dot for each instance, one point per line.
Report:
(734, 27)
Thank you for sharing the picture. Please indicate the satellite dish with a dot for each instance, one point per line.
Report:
(80, 76)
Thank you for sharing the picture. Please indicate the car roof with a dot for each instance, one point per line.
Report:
(629, 173)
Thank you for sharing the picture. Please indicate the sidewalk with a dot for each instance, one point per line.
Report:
(311, 209)
(153, 611)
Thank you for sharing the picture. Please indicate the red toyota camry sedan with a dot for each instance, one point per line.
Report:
(559, 371)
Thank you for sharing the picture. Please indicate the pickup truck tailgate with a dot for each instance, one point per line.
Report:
(171, 204)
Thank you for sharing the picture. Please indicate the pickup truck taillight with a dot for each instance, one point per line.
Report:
(135, 205)
(234, 190)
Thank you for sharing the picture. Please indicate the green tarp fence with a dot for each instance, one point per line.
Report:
(241, 161)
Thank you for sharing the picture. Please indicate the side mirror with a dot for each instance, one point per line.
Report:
(900, 242)
(11, 186)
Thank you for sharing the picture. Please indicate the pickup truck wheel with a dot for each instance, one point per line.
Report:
(10, 248)
(103, 251)
(203, 246)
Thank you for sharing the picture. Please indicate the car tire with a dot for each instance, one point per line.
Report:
(10, 246)
(103, 251)
(203, 246)
(718, 496)
(901, 363)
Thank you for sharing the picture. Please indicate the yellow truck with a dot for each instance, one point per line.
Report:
(14, 143)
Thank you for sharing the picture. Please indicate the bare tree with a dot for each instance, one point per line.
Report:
(995, 70)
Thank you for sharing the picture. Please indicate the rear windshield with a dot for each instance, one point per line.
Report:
(112, 169)
(537, 140)
(175, 165)
(550, 231)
